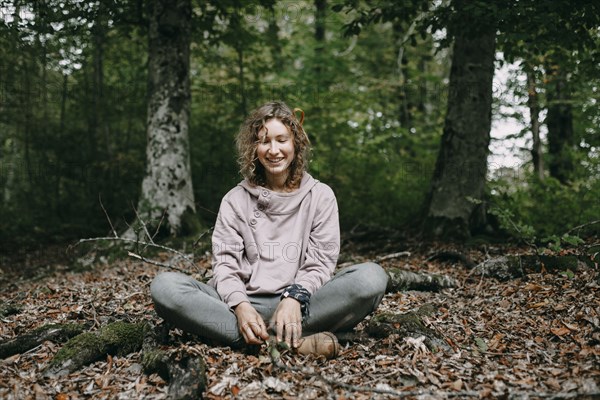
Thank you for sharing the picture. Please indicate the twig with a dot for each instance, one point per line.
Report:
(107, 217)
(143, 224)
(162, 218)
(201, 235)
(95, 315)
(160, 264)
(139, 242)
(393, 255)
(583, 226)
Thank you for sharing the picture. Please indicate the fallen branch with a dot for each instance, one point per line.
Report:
(406, 280)
(154, 262)
(56, 333)
(135, 241)
(393, 255)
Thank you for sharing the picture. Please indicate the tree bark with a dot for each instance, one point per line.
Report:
(167, 186)
(320, 19)
(401, 280)
(560, 126)
(534, 116)
(461, 166)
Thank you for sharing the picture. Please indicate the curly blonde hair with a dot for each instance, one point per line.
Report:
(247, 142)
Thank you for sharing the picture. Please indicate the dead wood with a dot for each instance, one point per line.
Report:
(408, 324)
(406, 280)
(515, 266)
(118, 338)
(186, 374)
(187, 378)
(57, 333)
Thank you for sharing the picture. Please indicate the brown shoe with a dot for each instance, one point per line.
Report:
(322, 343)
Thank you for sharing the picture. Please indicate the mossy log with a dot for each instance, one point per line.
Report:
(118, 338)
(510, 267)
(401, 280)
(408, 324)
(57, 333)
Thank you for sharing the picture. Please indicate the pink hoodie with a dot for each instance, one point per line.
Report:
(265, 241)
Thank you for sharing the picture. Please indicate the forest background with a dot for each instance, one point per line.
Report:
(373, 78)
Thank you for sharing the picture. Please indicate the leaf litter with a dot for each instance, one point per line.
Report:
(531, 337)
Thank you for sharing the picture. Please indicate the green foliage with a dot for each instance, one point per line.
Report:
(547, 212)
(73, 111)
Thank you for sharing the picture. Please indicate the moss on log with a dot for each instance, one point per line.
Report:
(55, 332)
(401, 280)
(409, 324)
(118, 338)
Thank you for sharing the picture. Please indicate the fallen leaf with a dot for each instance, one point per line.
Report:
(481, 344)
(457, 385)
(573, 327)
(561, 331)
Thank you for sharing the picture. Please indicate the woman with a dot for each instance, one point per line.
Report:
(275, 247)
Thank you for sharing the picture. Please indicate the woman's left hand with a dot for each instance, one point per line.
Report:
(287, 322)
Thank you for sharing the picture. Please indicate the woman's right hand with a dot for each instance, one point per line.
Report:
(250, 323)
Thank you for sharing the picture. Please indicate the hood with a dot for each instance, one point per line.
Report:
(280, 203)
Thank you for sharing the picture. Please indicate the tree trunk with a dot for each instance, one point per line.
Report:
(560, 126)
(534, 116)
(320, 19)
(321, 80)
(273, 38)
(461, 166)
(167, 186)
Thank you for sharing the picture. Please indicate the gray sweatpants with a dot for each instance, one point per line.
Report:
(197, 308)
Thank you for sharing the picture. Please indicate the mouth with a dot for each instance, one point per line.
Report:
(275, 160)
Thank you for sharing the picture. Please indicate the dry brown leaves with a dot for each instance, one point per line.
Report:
(527, 338)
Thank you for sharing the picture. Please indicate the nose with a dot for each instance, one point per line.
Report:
(273, 148)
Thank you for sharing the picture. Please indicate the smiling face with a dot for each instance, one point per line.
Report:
(275, 151)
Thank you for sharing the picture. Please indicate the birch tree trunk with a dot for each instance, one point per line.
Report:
(461, 166)
(167, 186)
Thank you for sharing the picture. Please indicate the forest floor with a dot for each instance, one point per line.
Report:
(531, 337)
